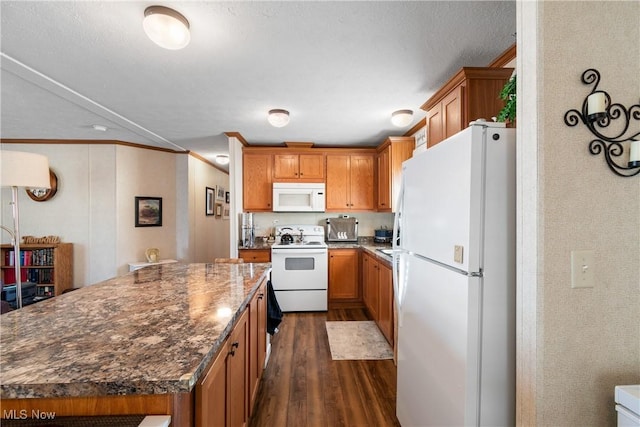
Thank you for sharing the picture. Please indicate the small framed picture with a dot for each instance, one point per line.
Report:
(218, 210)
(227, 197)
(209, 200)
(148, 211)
(225, 211)
(220, 193)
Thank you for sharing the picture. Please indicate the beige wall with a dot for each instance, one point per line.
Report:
(81, 212)
(94, 207)
(210, 235)
(149, 173)
(584, 341)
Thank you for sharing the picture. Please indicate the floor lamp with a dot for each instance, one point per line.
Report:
(19, 169)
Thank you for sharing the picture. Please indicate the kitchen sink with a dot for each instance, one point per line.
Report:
(386, 251)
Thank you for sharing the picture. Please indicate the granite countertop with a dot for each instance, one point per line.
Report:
(151, 331)
(366, 242)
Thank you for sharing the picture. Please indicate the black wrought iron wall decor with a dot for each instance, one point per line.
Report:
(598, 112)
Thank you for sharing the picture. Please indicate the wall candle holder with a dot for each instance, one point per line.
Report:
(598, 112)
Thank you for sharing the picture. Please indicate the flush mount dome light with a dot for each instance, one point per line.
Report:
(278, 118)
(166, 27)
(222, 159)
(402, 118)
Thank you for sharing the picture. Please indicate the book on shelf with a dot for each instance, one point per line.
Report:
(10, 276)
(37, 257)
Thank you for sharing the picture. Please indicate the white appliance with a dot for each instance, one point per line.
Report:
(298, 197)
(454, 278)
(300, 268)
(627, 399)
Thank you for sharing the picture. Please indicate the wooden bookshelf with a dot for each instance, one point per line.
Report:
(49, 266)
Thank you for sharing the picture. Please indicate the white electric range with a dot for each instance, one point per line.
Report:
(300, 273)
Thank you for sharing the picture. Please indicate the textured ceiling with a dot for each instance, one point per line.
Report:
(340, 68)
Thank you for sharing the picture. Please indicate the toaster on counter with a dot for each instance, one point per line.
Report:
(342, 229)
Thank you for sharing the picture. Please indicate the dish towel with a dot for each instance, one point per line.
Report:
(274, 313)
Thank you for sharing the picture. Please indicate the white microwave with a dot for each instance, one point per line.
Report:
(298, 197)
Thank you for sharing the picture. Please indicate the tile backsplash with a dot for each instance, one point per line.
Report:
(367, 222)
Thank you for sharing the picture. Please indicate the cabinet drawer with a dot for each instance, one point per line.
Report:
(255, 255)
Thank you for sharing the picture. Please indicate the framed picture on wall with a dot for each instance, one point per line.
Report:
(227, 197)
(225, 211)
(209, 200)
(220, 193)
(218, 210)
(148, 211)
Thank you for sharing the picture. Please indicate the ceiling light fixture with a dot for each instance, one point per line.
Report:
(166, 27)
(99, 128)
(278, 118)
(402, 118)
(222, 159)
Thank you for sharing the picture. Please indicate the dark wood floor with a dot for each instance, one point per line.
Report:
(303, 386)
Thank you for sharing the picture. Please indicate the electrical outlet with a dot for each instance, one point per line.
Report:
(582, 269)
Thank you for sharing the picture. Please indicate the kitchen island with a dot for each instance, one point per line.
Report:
(138, 343)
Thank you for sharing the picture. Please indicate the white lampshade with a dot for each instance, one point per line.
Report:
(278, 118)
(21, 169)
(402, 118)
(166, 27)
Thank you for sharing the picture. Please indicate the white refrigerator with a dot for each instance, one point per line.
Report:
(454, 279)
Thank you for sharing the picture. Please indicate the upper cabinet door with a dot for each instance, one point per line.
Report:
(350, 182)
(338, 182)
(257, 192)
(452, 112)
(311, 166)
(384, 180)
(362, 182)
(285, 166)
(304, 167)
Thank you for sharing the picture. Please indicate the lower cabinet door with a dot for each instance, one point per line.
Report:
(385, 302)
(211, 393)
(237, 374)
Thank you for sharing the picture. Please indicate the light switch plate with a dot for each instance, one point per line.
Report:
(458, 254)
(582, 269)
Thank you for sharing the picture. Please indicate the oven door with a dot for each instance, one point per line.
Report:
(299, 269)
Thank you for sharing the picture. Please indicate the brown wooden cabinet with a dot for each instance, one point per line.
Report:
(344, 289)
(370, 280)
(350, 182)
(226, 394)
(49, 266)
(257, 183)
(385, 301)
(257, 343)
(377, 287)
(221, 396)
(471, 94)
(255, 255)
(298, 167)
(391, 154)
(211, 393)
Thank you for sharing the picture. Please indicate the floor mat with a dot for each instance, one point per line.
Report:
(357, 341)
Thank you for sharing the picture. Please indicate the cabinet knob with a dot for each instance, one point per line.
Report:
(260, 296)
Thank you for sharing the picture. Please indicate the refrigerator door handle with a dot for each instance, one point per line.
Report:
(396, 246)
